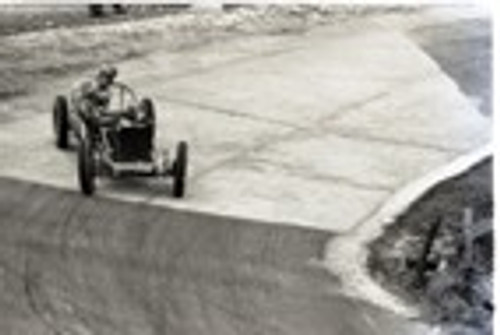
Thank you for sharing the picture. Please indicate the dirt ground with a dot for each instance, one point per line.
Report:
(449, 289)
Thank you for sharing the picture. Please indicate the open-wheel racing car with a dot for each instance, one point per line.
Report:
(118, 142)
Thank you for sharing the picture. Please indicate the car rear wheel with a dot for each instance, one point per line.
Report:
(86, 167)
(180, 170)
(148, 107)
(61, 122)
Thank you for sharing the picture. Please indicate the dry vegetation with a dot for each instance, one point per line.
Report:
(452, 279)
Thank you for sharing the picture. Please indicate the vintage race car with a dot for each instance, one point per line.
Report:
(117, 141)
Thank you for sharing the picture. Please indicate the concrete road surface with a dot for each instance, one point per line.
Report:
(315, 130)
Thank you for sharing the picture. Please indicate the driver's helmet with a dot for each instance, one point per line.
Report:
(107, 73)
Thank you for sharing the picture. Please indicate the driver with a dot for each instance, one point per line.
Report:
(91, 97)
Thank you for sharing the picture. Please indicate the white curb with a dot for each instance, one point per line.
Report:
(346, 255)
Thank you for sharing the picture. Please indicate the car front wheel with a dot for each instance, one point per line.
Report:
(180, 170)
(86, 167)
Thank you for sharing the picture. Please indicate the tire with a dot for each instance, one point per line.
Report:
(86, 167)
(180, 170)
(61, 122)
(148, 107)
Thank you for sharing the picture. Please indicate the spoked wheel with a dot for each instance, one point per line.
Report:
(60, 122)
(86, 167)
(180, 170)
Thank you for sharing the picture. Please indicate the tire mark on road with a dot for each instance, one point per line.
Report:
(30, 283)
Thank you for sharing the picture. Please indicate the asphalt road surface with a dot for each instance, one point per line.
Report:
(73, 265)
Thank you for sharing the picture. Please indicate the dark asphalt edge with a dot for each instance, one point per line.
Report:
(40, 235)
(6, 182)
